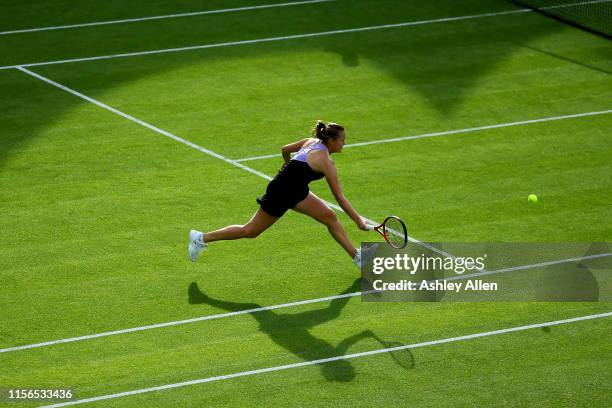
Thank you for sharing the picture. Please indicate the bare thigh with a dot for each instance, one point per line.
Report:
(314, 207)
(259, 222)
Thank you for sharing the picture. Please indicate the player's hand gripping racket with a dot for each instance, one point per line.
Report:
(393, 230)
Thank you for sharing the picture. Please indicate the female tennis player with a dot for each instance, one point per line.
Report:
(289, 190)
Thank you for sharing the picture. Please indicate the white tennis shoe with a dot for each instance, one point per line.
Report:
(196, 244)
(357, 258)
(365, 255)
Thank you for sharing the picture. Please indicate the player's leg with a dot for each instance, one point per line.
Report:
(314, 207)
(198, 241)
(260, 221)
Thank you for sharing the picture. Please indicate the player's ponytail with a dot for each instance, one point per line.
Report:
(325, 132)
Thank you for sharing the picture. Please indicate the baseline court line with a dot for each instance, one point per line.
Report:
(162, 17)
(279, 306)
(450, 132)
(269, 39)
(331, 359)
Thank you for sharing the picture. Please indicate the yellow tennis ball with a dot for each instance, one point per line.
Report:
(532, 198)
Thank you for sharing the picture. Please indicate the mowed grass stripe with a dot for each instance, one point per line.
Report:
(270, 39)
(286, 305)
(163, 17)
(142, 123)
(332, 359)
(280, 38)
(550, 366)
(205, 29)
(404, 90)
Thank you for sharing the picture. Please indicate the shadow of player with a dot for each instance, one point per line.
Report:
(292, 332)
(574, 281)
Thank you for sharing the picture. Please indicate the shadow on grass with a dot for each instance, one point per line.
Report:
(292, 332)
(575, 281)
(568, 59)
(442, 63)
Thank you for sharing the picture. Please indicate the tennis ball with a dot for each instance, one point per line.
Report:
(532, 198)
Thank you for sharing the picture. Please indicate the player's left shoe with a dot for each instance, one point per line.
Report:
(196, 244)
(357, 258)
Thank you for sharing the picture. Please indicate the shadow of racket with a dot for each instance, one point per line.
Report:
(402, 358)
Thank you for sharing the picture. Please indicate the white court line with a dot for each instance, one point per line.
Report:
(144, 124)
(524, 267)
(203, 150)
(252, 372)
(211, 153)
(193, 145)
(270, 39)
(331, 359)
(450, 132)
(292, 37)
(280, 306)
(189, 14)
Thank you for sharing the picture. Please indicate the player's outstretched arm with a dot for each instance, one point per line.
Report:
(331, 175)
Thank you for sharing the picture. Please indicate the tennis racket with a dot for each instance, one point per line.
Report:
(393, 230)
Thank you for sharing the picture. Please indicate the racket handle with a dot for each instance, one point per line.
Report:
(370, 227)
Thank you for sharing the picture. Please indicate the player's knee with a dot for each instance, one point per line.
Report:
(329, 217)
(248, 231)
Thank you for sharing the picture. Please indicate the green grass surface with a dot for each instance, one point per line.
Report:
(96, 209)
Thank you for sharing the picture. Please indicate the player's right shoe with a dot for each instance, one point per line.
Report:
(196, 244)
(365, 255)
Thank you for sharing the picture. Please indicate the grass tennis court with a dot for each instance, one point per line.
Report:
(96, 208)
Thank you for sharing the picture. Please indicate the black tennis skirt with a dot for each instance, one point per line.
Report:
(288, 188)
(277, 201)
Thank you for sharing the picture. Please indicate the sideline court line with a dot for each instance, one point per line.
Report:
(449, 132)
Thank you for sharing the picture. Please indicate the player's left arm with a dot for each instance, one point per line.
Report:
(292, 148)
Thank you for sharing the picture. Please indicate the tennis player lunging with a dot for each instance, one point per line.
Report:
(289, 190)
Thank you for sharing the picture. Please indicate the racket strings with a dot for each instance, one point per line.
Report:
(395, 233)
